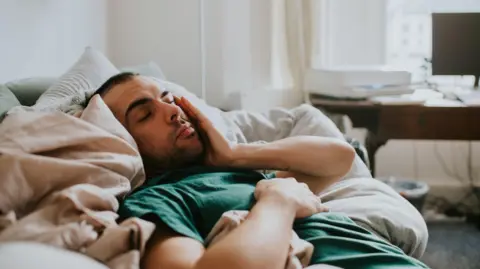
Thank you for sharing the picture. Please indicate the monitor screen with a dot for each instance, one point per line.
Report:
(456, 44)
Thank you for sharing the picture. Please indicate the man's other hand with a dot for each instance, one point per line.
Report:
(293, 194)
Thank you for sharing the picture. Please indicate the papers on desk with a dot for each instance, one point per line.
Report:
(444, 103)
(396, 100)
(468, 96)
(418, 97)
(471, 98)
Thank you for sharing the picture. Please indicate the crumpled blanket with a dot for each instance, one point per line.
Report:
(300, 251)
(60, 180)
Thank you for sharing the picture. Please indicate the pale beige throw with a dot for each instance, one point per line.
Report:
(60, 179)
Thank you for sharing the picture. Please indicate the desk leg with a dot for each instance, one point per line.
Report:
(373, 143)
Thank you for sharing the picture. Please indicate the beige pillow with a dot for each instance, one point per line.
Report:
(98, 114)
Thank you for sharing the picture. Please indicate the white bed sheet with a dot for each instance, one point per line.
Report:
(370, 203)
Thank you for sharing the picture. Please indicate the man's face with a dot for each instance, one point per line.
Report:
(163, 133)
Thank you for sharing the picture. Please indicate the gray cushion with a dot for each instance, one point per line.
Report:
(28, 90)
(7, 100)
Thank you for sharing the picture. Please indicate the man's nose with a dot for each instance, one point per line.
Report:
(171, 112)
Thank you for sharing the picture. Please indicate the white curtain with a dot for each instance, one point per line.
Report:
(293, 33)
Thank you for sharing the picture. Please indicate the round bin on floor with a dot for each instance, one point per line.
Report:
(414, 191)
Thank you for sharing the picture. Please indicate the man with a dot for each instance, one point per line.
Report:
(195, 175)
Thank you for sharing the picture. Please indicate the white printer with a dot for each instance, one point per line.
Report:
(357, 82)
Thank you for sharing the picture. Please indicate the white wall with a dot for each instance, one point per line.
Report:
(43, 38)
(355, 26)
(165, 31)
(236, 36)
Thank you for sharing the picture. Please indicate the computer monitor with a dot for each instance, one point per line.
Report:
(456, 44)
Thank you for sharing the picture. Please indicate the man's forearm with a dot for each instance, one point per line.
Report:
(310, 155)
(261, 241)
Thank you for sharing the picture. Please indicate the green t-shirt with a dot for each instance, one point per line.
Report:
(190, 202)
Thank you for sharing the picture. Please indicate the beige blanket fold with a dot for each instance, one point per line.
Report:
(300, 252)
(60, 177)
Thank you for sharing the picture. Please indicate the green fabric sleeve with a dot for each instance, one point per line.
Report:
(163, 205)
(270, 175)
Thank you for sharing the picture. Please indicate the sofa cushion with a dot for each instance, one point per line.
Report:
(7, 100)
(28, 90)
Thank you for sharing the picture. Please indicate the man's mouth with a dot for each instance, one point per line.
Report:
(185, 132)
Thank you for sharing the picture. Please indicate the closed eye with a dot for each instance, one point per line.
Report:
(145, 117)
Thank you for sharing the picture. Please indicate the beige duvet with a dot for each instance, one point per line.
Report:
(59, 179)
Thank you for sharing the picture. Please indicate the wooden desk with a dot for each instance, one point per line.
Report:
(385, 122)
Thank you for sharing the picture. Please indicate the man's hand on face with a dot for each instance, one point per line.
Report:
(218, 150)
(293, 194)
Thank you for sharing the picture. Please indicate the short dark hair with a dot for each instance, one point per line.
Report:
(114, 81)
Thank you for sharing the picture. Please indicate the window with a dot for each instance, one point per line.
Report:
(383, 32)
(408, 33)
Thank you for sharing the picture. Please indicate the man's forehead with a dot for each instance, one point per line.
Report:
(120, 96)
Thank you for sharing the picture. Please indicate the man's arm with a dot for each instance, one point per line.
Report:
(309, 155)
(261, 241)
(316, 161)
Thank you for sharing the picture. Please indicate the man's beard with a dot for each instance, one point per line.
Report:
(177, 159)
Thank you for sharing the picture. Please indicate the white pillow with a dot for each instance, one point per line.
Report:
(70, 92)
(87, 74)
(150, 69)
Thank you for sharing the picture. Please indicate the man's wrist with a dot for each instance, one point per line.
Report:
(241, 154)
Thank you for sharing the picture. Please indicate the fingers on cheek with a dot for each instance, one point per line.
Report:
(189, 109)
(192, 108)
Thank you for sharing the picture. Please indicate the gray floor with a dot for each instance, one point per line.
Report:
(453, 246)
